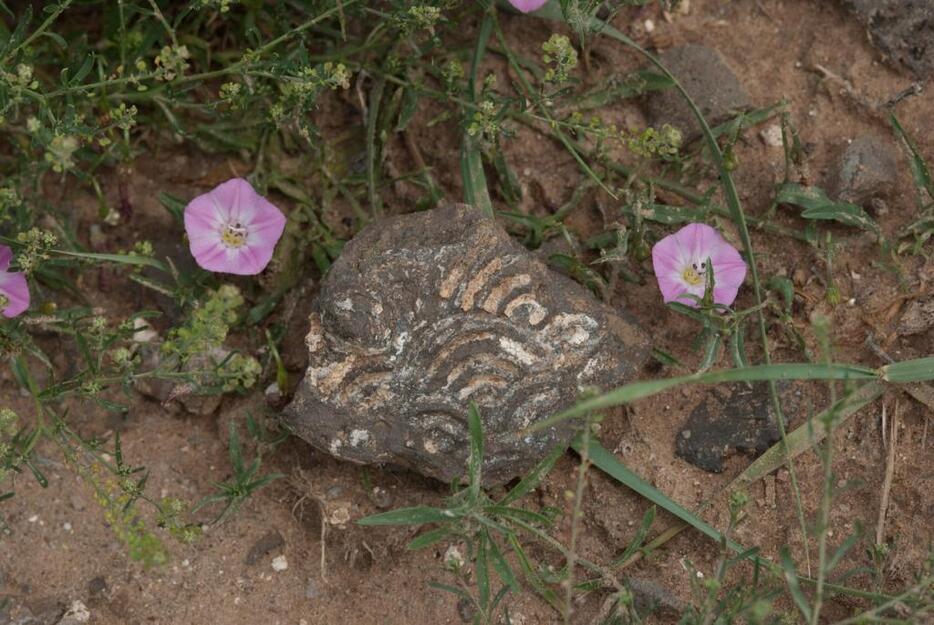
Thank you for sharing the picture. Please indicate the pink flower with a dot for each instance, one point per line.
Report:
(680, 262)
(233, 229)
(14, 292)
(527, 6)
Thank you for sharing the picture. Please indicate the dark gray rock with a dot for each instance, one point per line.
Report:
(423, 314)
(731, 417)
(705, 75)
(902, 30)
(267, 542)
(917, 318)
(867, 169)
(97, 587)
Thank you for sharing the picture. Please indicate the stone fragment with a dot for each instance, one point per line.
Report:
(902, 30)
(77, 613)
(423, 314)
(731, 417)
(267, 542)
(867, 169)
(709, 81)
(917, 318)
(166, 391)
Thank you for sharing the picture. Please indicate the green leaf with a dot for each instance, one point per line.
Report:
(843, 549)
(636, 543)
(417, 515)
(794, 588)
(501, 566)
(758, 373)
(919, 168)
(609, 464)
(454, 590)
(476, 191)
(532, 575)
(123, 259)
(482, 571)
(174, 205)
(408, 109)
(817, 205)
(428, 538)
(917, 370)
(532, 479)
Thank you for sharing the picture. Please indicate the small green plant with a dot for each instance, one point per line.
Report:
(490, 530)
(245, 480)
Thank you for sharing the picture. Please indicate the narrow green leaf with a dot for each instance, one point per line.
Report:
(805, 436)
(417, 515)
(501, 566)
(636, 543)
(123, 259)
(794, 588)
(482, 571)
(174, 205)
(842, 550)
(476, 191)
(532, 576)
(919, 168)
(917, 370)
(817, 205)
(454, 590)
(758, 373)
(428, 538)
(609, 464)
(534, 477)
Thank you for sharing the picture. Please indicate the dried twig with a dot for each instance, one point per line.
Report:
(889, 472)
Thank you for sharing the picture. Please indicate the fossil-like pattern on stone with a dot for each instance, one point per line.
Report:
(423, 314)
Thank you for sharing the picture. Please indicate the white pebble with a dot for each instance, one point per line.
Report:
(78, 612)
(33, 518)
(66, 526)
(279, 563)
(649, 26)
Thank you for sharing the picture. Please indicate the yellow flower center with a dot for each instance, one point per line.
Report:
(234, 235)
(4, 301)
(691, 276)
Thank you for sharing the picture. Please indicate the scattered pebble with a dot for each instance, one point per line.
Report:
(381, 497)
(649, 26)
(66, 526)
(97, 586)
(33, 518)
(77, 613)
(772, 136)
(267, 542)
(279, 564)
(453, 557)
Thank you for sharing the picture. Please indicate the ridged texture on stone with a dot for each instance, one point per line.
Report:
(426, 312)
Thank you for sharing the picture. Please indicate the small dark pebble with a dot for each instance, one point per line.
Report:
(97, 587)
(269, 541)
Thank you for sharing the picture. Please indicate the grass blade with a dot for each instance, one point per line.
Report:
(758, 373)
(608, 463)
(417, 515)
(476, 192)
(917, 370)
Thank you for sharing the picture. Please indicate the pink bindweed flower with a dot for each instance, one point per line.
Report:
(233, 229)
(14, 292)
(680, 262)
(527, 6)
